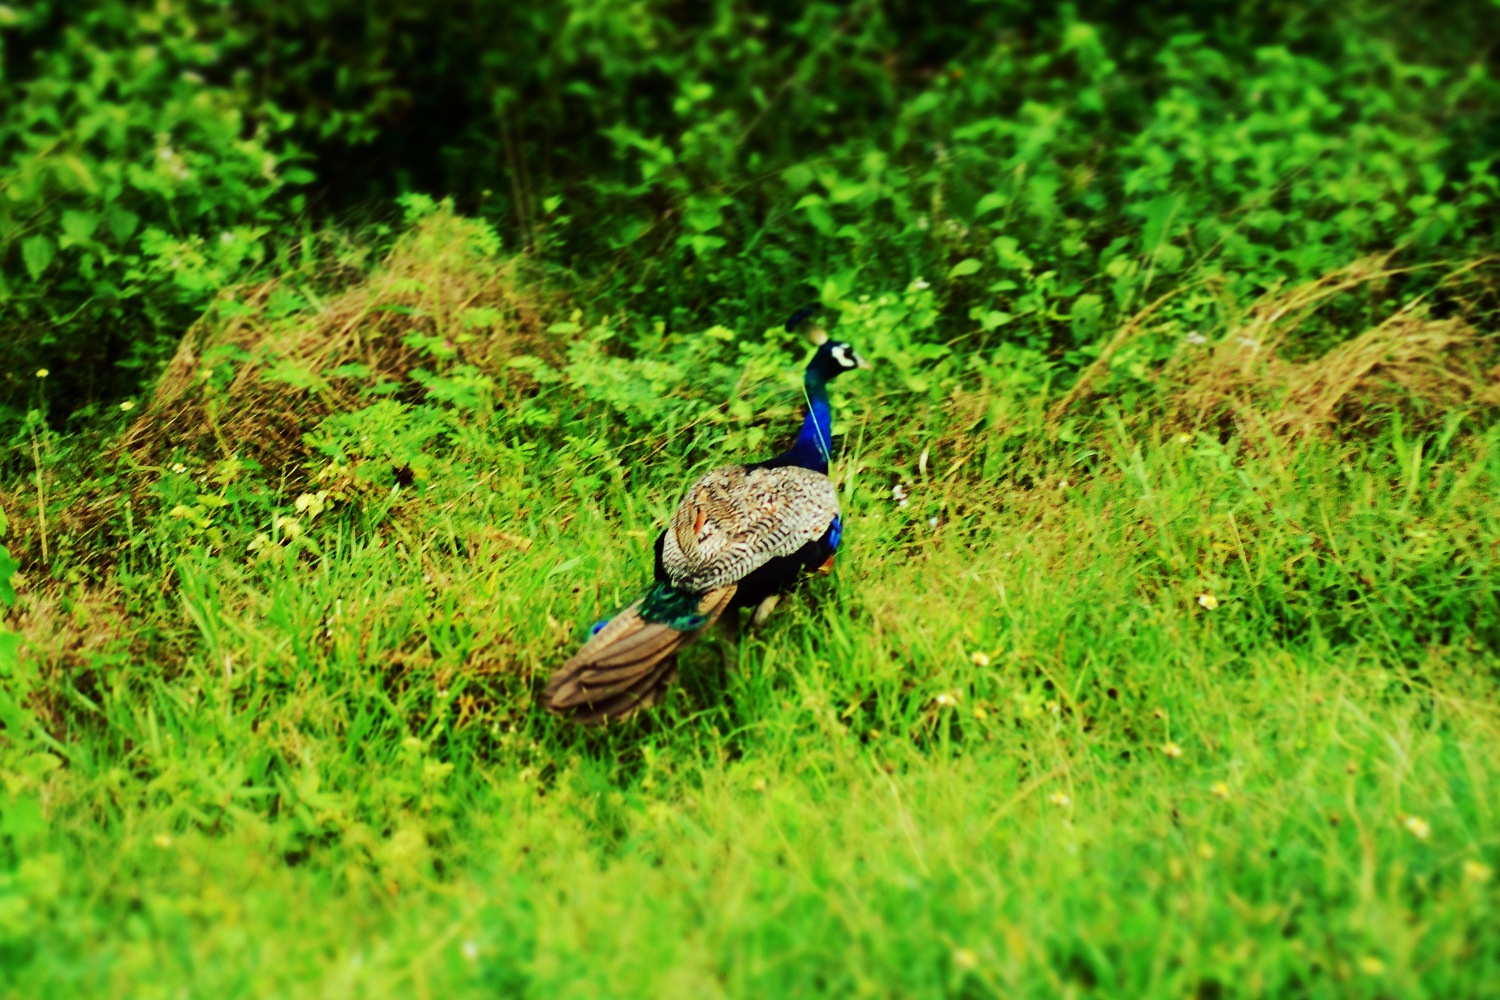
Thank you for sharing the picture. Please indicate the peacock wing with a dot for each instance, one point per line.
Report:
(733, 520)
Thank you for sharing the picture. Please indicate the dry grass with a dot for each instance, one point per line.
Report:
(1410, 361)
(443, 284)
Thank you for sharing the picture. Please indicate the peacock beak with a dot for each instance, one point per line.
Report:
(860, 362)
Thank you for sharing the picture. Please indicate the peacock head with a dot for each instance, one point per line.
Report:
(834, 357)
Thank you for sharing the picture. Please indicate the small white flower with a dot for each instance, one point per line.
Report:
(178, 468)
(902, 503)
(979, 659)
(898, 492)
(932, 522)
(921, 285)
(1195, 338)
(127, 406)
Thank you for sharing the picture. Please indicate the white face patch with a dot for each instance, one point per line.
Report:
(841, 355)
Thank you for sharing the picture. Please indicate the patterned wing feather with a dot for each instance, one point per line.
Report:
(734, 520)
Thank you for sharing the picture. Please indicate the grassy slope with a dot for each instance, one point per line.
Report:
(325, 779)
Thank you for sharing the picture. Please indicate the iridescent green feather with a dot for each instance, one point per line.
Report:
(664, 604)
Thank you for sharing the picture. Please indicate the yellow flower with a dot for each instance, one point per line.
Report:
(42, 373)
(311, 504)
(1060, 799)
(946, 699)
(1477, 872)
(1171, 749)
(1418, 827)
(965, 959)
(127, 406)
(1208, 601)
(1220, 789)
(979, 659)
(1371, 966)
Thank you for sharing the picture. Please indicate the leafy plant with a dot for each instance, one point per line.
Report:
(139, 181)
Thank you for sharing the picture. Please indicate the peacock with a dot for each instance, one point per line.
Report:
(740, 537)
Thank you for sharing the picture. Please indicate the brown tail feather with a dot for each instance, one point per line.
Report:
(626, 665)
(645, 692)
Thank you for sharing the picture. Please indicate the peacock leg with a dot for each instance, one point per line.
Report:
(763, 610)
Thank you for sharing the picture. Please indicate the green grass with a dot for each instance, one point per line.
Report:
(323, 774)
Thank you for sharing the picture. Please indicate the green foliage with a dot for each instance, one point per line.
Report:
(714, 160)
(1052, 170)
(1161, 652)
(139, 181)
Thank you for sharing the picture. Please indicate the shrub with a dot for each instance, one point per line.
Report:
(139, 182)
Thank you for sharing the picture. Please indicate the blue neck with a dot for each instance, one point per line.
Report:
(815, 440)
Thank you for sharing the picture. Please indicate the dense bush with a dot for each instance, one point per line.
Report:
(135, 188)
(1053, 168)
(717, 145)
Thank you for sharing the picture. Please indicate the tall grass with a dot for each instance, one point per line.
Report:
(1176, 699)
